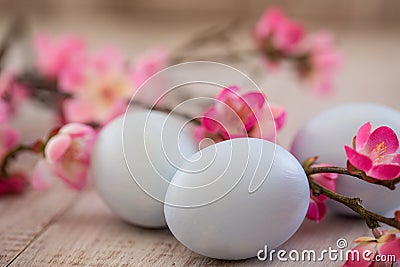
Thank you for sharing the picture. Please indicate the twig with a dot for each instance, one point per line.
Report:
(372, 219)
(391, 184)
(38, 85)
(211, 34)
(11, 155)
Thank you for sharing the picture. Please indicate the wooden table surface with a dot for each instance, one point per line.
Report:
(64, 228)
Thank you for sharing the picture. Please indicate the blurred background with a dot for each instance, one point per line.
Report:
(367, 32)
(339, 10)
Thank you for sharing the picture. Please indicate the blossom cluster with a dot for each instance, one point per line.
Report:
(314, 56)
(100, 84)
(385, 245)
(236, 114)
(97, 86)
(374, 154)
(66, 156)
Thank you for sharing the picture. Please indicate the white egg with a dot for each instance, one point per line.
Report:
(233, 198)
(325, 136)
(134, 160)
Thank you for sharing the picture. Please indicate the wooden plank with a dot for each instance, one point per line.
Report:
(24, 217)
(90, 235)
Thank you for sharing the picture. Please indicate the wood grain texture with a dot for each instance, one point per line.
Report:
(90, 235)
(24, 218)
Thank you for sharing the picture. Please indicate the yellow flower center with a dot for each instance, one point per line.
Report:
(380, 149)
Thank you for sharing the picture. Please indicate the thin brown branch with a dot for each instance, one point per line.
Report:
(391, 184)
(213, 33)
(372, 219)
(11, 155)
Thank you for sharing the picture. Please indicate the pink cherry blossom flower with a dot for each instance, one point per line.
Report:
(320, 63)
(14, 184)
(317, 208)
(277, 34)
(369, 248)
(101, 88)
(67, 156)
(147, 65)
(55, 55)
(240, 115)
(375, 153)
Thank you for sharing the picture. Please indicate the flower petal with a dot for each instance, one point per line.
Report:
(14, 184)
(358, 160)
(17, 183)
(358, 260)
(227, 93)
(210, 120)
(55, 55)
(72, 77)
(73, 173)
(279, 115)
(383, 134)
(390, 248)
(56, 147)
(388, 159)
(264, 127)
(385, 171)
(108, 59)
(363, 135)
(76, 110)
(316, 210)
(199, 133)
(254, 99)
(250, 121)
(76, 130)
(41, 175)
(268, 22)
(148, 65)
(396, 159)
